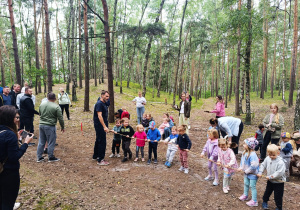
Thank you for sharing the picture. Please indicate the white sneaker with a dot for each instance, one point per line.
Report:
(186, 170)
(225, 190)
(209, 178)
(112, 155)
(189, 127)
(181, 168)
(118, 155)
(17, 205)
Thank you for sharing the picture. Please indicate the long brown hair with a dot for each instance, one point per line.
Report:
(7, 118)
(277, 114)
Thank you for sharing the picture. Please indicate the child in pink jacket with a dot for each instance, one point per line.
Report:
(219, 108)
(211, 149)
(164, 125)
(141, 137)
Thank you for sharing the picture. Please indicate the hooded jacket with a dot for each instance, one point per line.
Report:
(275, 169)
(211, 149)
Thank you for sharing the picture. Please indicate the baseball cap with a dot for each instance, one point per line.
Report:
(286, 135)
(152, 124)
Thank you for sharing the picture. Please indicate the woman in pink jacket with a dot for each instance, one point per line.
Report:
(219, 108)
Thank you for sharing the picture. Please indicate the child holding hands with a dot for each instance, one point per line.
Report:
(185, 145)
(127, 133)
(211, 149)
(141, 137)
(172, 146)
(153, 136)
(226, 158)
(275, 174)
(117, 140)
(250, 165)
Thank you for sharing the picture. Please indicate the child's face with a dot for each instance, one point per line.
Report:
(126, 123)
(181, 131)
(223, 147)
(210, 135)
(273, 155)
(118, 124)
(144, 115)
(285, 139)
(141, 130)
(174, 132)
(262, 129)
(148, 117)
(153, 128)
(213, 125)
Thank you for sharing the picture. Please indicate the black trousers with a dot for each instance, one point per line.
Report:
(236, 139)
(66, 107)
(100, 143)
(126, 148)
(116, 146)
(267, 140)
(9, 188)
(26, 123)
(278, 189)
(152, 147)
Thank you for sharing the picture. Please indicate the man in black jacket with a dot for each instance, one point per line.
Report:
(13, 94)
(27, 110)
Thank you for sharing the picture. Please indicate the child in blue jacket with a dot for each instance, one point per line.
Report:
(153, 136)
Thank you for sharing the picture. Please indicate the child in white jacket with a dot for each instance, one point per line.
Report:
(172, 146)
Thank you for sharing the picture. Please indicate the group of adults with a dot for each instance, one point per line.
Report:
(12, 118)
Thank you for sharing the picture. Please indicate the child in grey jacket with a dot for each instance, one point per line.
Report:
(286, 152)
(275, 174)
(172, 146)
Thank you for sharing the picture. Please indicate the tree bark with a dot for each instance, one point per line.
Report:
(274, 57)
(265, 55)
(123, 52)
(148, 50)
(179, 52)
(227, 78)
(80, 45)
(297, 111)
(2, 70)
(238, 70)
(86, 62)
(48, 47)
(15, 42)
(283, 57)
(231, 76)
(72, 69)
(37, 61)
(294, 55)
(113, 41)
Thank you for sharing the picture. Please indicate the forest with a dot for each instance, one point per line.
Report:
(232, 48)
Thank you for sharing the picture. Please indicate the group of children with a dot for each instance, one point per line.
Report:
(124, 133)
(219, 152)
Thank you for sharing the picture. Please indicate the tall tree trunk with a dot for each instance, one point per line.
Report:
(2, 70)
(148, 50)
(227, 77)
(44, 52)
(113, 41)
(248, 64)
(37, 61)
(48, 47)
(15, 42)
(69, 25)
(95, 60)
(265, 56)
(274, 57)
(294, 55)
(86, 62)
(80, 45)
(231, 75)
(160, 70)
(123, 52)
(283, 57)
(72, 69)
(238, 70)
(179, 52)
(297, 111)
(242, 85)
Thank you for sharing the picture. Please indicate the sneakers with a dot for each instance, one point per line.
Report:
(225, 190)
(216, 182)
(130, 155)
(40, 160)
(166, 163)
(181, 168)
(118, 155)
(243, 197)
(148, 162)
(16, 206)
(186, 170)
(252, 203)
(209, 178)
(155, 161)
(228, 188)
(265, 205)
(112, 155)
(53, 159)
(124, 159)
(169, 165)
(31, 144)
(95, 158)
(103, 163)
(143, 159)
(136, 159)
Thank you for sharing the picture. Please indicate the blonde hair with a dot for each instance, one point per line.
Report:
(182, 127)
(272, 149)
(139, 126)
(174, 128)
(214, 132)
(277, 114)
(247, 150)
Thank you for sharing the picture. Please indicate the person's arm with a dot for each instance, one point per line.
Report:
(224, 127)
(166, 140)
(204, 149)
(69, 99)
(190, 143)
(280, 171)
(60, 118)
(29, 105)
(14, 153)
(59, 96)
(158, 135)
(188, 110)
(131, 131)
(217, 108)
(254, 162)
(266, 120)
(214, 153)
(232, 159)
(144, 101)
(262, 167)
(102, 121)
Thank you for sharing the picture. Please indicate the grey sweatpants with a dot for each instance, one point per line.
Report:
(226, 180)
(287, 162)
(170, 155)
(47, 134)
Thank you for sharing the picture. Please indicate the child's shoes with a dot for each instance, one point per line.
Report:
(169, 165)
(186, 170)
(112, 155)
(208, 178)
(148, 162)
(228, 188)
(216, 182)
(166, 163)
(225, 190)
(181, 168)
(252, 203)
(118, 155)
(143, 159)
(243, 197)
(136, 159)
(265, 205)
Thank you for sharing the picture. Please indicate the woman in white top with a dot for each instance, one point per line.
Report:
(231, 126)
(140, 106)
(64, 102)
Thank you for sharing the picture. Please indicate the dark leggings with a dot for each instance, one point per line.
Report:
(126, 148)
(9, 188)
(267, 140)
(116, 146)
(153, 147)
(278, 189)
(236, 139)
(66, 107)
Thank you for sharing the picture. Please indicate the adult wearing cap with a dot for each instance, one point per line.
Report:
(230, 126)
(295, 142)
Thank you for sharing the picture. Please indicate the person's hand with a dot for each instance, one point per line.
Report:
(258, 175)
(62, 130)
(218, 163)
(187, 150)
(279, 147)
(28, 139)
(148, 140)
(267, 177)
(239, 169)
(71, 105)
(155, 140)
(202, 156)
(127, 136)
(226, 166)
(106, 129)
(185, 118)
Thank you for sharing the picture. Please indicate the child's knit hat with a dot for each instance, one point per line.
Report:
(251, 142)
(286, 135)
(152, 124)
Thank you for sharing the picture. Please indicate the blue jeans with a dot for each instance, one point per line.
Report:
(140, 111)
(47, 134)
(252, 184)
